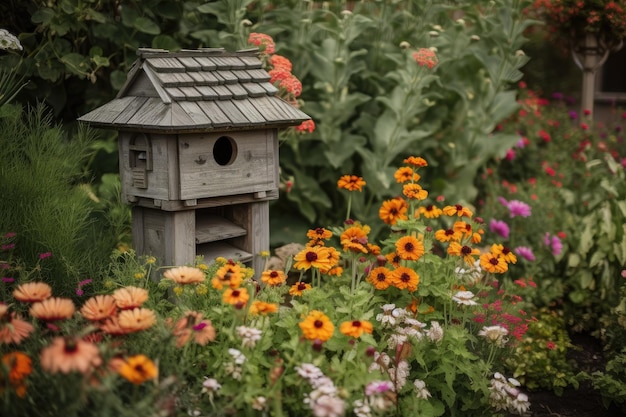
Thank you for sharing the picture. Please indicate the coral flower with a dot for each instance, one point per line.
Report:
(393, 210)
(185, 275)
(99, 308)
(19, 366)
(430, 211)
(70, 354)
(493, 263)
(404, 277)
(468, 253)
(356, 328)
(457, 210)
(112, 326)
(414, 192)
(425, 58)
(137, 319)
(262, 308)
(298, 288)
(263, 41)
(14, 330)
(32, 292)
(416, 161)
(228, 275)
(380, 278)
(279, 61)
(406, 174)
(409, 248)
(317, 326)
(273, 278)
(193, 325)
(314, 256)
(236, 296)
(130, 297)
(351, 183)
(138, 369)
(52, 309)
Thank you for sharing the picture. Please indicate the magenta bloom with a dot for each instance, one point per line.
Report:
(377, 387)
(45, 255)
(518, 208)
(525, 252)
(554, 243)
(510, 155)
(499, 227)
(503, 201)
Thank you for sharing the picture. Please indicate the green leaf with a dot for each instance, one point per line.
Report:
(75, 63)
(145, 25)
(101, 61)
(165, 42)
(118, 79)
(43, 16)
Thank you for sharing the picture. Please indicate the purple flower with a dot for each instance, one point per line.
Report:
(45, 255)
(85, 282)
(520, 143)
(79, 292)
(499, 227)
(8, 246)
(573, 115)
(376, 387)
(503, 201)
(557, 96)
(518, 208)
(8, 280)
(554, 243)
(525, 252)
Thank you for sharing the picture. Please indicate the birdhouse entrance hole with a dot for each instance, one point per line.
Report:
(225, 150)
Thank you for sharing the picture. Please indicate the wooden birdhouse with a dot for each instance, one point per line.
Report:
(198, 149)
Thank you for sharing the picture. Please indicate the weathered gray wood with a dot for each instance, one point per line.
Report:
(110, 111)
(213, 250)
(254, 89)
(234, 114)
(254, 218)
(251, 62)
(223, 92)
(228, 77)
(142, 87)
(179, 116)
(175, 79)
(252, 114)
(191, 93)
(175, 205)
(206, 63)
(154, 111)
(211, 228)
(194, 112)
(207, 92)
(165, 64)
(215, 113)
(259, 75)
(180, 227)
(190, 63)
(238, 91)
(131, 109)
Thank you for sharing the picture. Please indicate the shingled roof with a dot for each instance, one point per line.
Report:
(196, 90)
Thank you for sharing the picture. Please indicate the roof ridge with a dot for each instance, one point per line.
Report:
(159, 53)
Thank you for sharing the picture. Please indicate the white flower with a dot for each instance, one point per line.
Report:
(233, 370)
(465, 298)
(494, 334)
(194, 413)
(238, 357)
(9, 41)
(361, 408)
(249, 336)
(399, 374)
(389, 315)
(397, 339)
(258, 403)
(309, 371)
(328, 406)
(435, 333)
(420, 387)
(378, 387)
(210, 385)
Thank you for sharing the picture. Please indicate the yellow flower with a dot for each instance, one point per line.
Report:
(447, 235)
(356, 328)
(414, 192)
(236, 296)
(184, 275)
(351, 183)
(202, 289)
(430, 211)
(354, 238)
(406, 174)
(314, 256)
(273, 278)
(393, 210)
(138, 369)
(298, 288)
(317, 326)
(501, 250)
(416, 161)
(493, 263)
(457, 210)
(468, 253)
(263, 308)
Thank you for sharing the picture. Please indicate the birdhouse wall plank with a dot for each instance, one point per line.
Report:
(254, 218)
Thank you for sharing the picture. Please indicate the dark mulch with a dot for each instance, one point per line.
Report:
(581, 402)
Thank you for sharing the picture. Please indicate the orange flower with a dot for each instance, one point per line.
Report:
(406, 174)
(394, 259)
(70, 354)
(14, 329)
(416, 161)
(137, 319)
(351, 183)
(319, 234)
(501, 250)
(273, 278)
(52, 309)
(356, 328)
(264, 42)
(393, 210)
(99, 308)
(263, 308)
(185, 275)
(19, 366)
(447, 235)
(227, 275)
(409, 248)
(312, 257)
(414, 192)
(130, 297)
(354, 238)
(404, 277)
(430, 211)
(279, 61)
(193, 325)
(138, 369)
(457, 210)
(317, 326)
(456, 249)
(298, 288)
(380, 278)
(463, 228)
(32, 292)
(493, 263)
(236, 296)
(333, 261)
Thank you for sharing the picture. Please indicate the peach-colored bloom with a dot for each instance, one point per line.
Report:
(70, 354)
(32, 292)
(52, 309)
(14, 330)
(112, 326)
(193, 325)
(185, 275)
(263, 308)
(130, 297)
(99, 307)
(137, 319)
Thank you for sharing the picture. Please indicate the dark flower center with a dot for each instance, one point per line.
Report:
(466, 250)
(506, 251)
(381, 276)
(236, 293)
(356, 323)
(458, 207)
(449, 232)
(405, 277)
(409, 247)
(318, 324)
(311, 256)
(493, 261)
(273, 274)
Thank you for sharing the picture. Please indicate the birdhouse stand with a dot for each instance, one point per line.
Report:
(198, 149)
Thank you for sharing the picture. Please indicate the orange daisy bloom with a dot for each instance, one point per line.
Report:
(416, 161)
(298, 288)
(447, 235)
(319, 234)
(228, 275)
(13, 329)
(430, 211)
(457, 210)
(373, 249)
(333, 260)
(456, 249)
(380, 278)
(183, 275)
(354, 238)
(414, 192)
(335, 271)
(130, 297)
(53, 309)
(263, 308)
(477, 236)
(351, 183)
(70, 354)
(493, 263)
(99, 308)
(404, 277)
(273, 278)
(406, 174)
(464, 228)
(394, 259)
(193, 325)
(31, 292)
(393, 210)
(138, 369)
(312, 257)
(236, 296)
(506, 253)
(356, 328)
(409, 248)
(137, 319)
(19, 366)
(317, 326)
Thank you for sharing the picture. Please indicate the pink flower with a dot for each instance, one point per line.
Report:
(45, 255)
(551, 345)
(510, 155)
(499, 227)
(525, 252)
(518, 208)
(554, 243)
